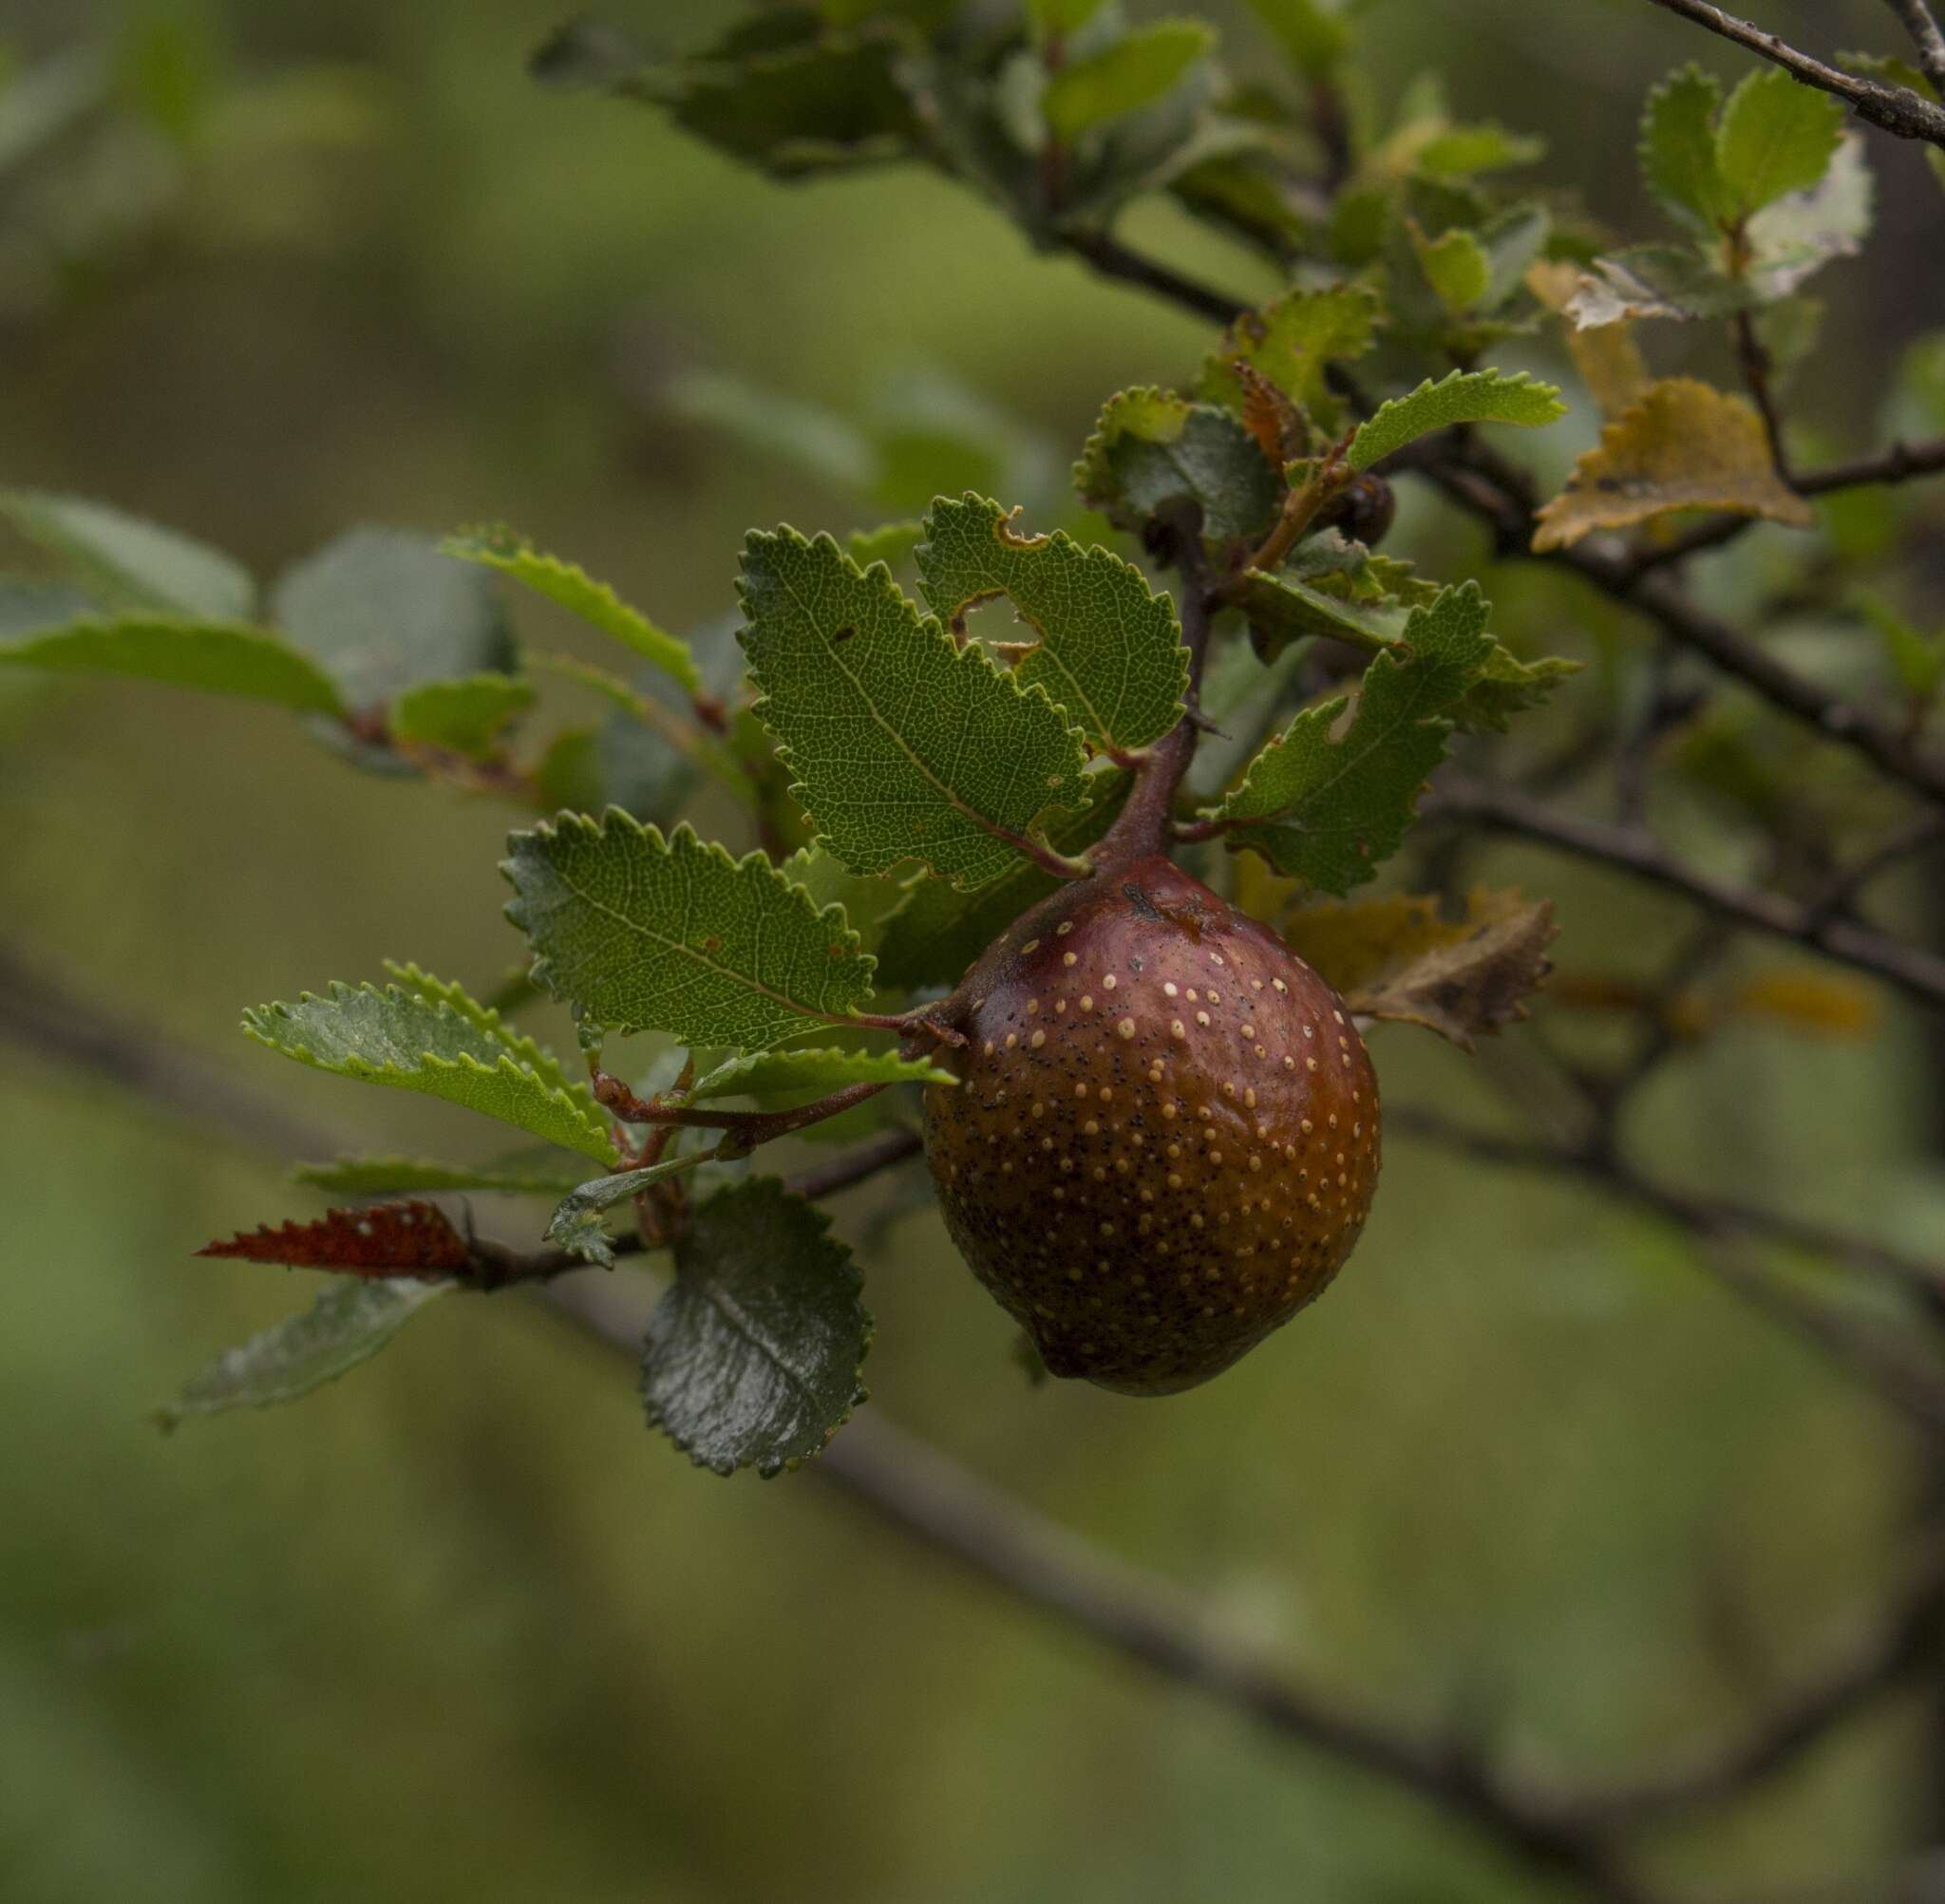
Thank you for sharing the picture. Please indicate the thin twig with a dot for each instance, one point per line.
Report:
(1914, 971)
(1923, 28)
(1896, 109)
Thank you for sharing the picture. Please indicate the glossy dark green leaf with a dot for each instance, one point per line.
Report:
(753, 1357)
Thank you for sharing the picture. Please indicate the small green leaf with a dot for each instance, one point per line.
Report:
(1466, 151)
(577, 1226)
(777, 1079)
(1465, 397)
(1334, 810)
(466, 716)
(754, 1356)
(382, 610)
(1917, 661)
(1051, 17)
(1151, 449)
(1678, 153)
(131, 564)
(903, 745)
(1292, 341)
(1505, 685)
(1125, 75)
(1103, 648)
(427, 1042)
(575, 590)
(216, 657)
(1776, 135)
(935, 932)
(643, 933)
(538, 1176)
(348, 1323)
(1456, 266)
(1314, 34)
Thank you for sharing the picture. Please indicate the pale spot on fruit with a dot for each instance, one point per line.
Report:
(1178, 1029)
(1086, 1001)
(1067, 958)
(1038, 1039)
(1126, 1027)
(1108, 982)
(1202, 1018)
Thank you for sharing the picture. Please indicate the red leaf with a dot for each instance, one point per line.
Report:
(389, 1239)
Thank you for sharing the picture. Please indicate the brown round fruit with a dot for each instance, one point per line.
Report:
(1165, 1139)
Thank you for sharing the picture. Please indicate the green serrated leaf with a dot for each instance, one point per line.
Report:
(348, 1323)
(1776, 135)
(935, 932)
(754, 1356)
(571, 586)
(778, 1079)
(1465, 397)
(1151, 449)
(1103, 648)
(1505, 685)
(395, 1175)
(1334, 810)
(218, 658)
(1126, 75)
(382, 611)
(1284, 609)
(577, 1226)
(1678, 151)
(131, 564)
(643, 933)
(902, 745)
(1293, 340)
(423, 1040)
(467, 716)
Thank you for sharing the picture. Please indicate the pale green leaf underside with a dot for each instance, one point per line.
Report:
(386, 1175)
(645, 933)
(418, 1043)
(903, 745)
(132, 564)
(348, 1323)
(1103, 648)
(754, 1356)
(1333, 810)
(466, 716)
(214, 657)
(570, 586)
(1465, 397)
(775, 1078)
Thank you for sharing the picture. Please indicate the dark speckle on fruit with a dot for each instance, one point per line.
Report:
(1167, 1136)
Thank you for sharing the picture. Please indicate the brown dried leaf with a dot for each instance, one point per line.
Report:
(387, 1240)
(1396, 958)
(1685, 445)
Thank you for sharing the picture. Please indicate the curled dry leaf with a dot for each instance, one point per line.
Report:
(1608, 357)
(1396, 958)
(1685, 445)
(387, 1240)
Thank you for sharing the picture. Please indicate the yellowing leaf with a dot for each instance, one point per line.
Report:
(1684, 445)
(1396, 958)
(1808, 1002)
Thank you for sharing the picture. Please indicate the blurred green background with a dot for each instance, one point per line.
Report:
(458, 1626)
